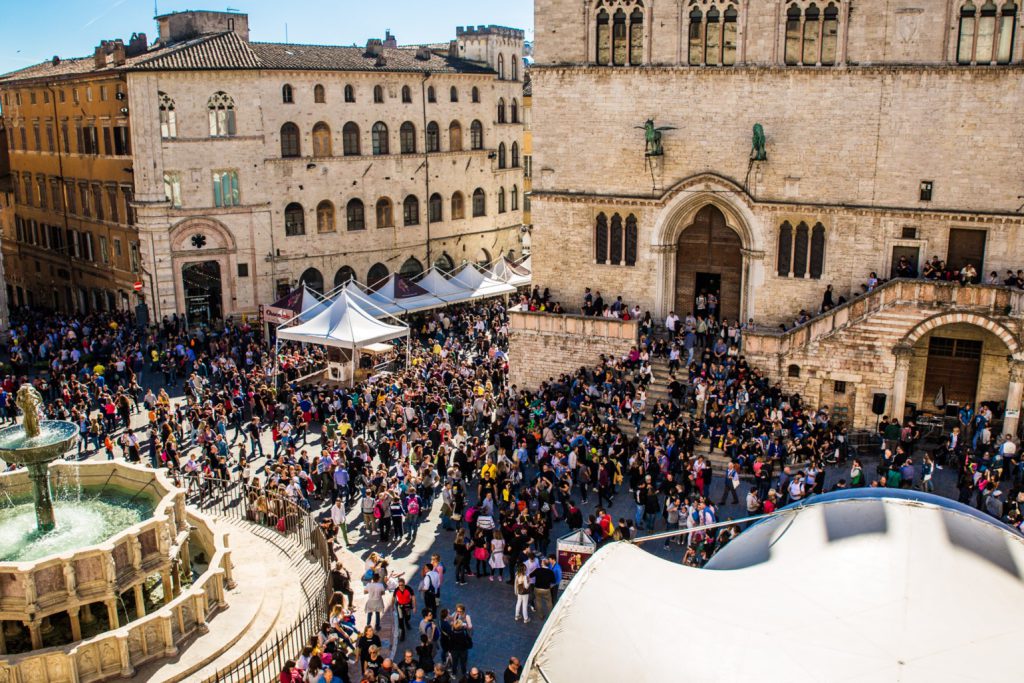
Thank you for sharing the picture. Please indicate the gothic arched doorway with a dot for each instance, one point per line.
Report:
(709, 260)
(202, 285)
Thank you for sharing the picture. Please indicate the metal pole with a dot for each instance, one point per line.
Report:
(716, 525)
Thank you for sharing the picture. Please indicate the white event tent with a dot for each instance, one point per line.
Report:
(864, 585)
(344, 323)
(450, 291)
(479, 285)
(516, 275)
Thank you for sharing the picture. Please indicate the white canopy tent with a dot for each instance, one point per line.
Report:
(853, 586)
(343, 324)
(398, 295)
(479, 285)
(508, 272)
(450, 291)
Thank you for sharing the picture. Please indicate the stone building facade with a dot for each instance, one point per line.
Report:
(876, 148)
(261, 165)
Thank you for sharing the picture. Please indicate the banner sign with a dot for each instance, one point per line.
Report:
(573, 551)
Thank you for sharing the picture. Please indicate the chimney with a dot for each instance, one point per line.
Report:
(118, 53)
(99, 56)
(136, 45)
(423, 53)
(374, 47)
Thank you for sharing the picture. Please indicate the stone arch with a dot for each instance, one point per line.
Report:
(976, 319)
(219, 237)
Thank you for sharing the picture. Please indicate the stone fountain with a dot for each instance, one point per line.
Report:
(34, 445)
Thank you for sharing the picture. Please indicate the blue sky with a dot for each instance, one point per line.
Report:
(32, 31)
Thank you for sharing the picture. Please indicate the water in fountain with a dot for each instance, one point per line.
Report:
(79, 523)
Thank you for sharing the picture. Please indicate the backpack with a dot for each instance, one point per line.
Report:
(413, 505)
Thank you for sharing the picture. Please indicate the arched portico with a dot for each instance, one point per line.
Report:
(682, 211)
(203, 256)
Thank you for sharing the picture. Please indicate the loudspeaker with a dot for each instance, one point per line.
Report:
(878, 404)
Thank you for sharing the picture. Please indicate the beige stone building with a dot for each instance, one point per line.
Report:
(259, 165)
(882, 141)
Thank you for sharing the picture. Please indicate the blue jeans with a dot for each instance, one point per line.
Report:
(638, 516)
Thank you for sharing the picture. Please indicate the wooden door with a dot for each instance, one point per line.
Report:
(966, 246)
(953, 366)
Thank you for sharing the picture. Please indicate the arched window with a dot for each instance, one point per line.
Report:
(406, 94)
(325, 216)
(631, 241)
(1007, 28)
(817, 250)
(695, 54)
(350, 139)
(431, 94)
(433, 137)
(458, 206)
(636, 37)
(380, 138)
(785, 255)
(321, 140)
(515, 67)
(501, 200)
(355, 216)
(294, 220)
(501, 67)
(479, 203)
(812, 19)
(514, 111)
(411, 210)
(444, 262)
(965, 44)
(986, 35)
(800, 250)
(830, 35)
(501, 110)
(474, 95)
(483, 258)
(434, 210)
(411, 268)
(455, 137)
(385, 213)
(619, 39)
(350, 93)
(344, 274)
(603, 38)
(378, 94)
(515, 198)
(222, 114)
(712, 37)
(290, 140)
(378, 274)
(792, 56)
(501, 155)
(515, 155)
(168, 120)
(453, 94)
(615, 241)
(312, 278)
(319, 97)
(793, 371)
(729, 33)
(286, 94)
(476, 135)
(407, 138)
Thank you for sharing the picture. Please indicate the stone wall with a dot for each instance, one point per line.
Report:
(543, 346)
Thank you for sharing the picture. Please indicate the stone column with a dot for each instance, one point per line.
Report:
(112, 617)
(140, 601)
(76, 625)
(1013, 396)
(903, 355)
(753, 275)
(665, 291)
(3, 640)
(165, 579)
(170, 649)
(127, 670)
(186, 557)
(34, 630)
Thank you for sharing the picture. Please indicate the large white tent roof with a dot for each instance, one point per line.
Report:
(345, 324)
(515, 275)
(443, 288)
(854, 586)
(479, 285)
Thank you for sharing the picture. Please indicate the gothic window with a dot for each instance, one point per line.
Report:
(817, 250)
(631, 240)
(433, 137)
(603, 38)
(619, 38)
(168, 120)
(785, 256)
(434, 208)
(800, 250)
(515, 67)
(350, 93)
(476, 135)
(431, 94)
(515, 198)
(830, 35)
(636, 37)
(222, 114)
(406, 95)
(501, 155)
(812, 35)
(479, 203)
(696, 37)
(501, 110)
(501, 68)
(615, 241)
(321, 140)
(453, 94)
(319, 97)
(729, 36)
(712, 36)
(313, 279)
(325, 216)
(501, 200)
(601, 239)
(986, 35)
(455, 137)
(355, 215)
(289, 140)
(812, 17)
(514, 118)
(515, 155)
(407, 138)
(474, 95)
(350, 139)
(411, 210)
(385, 214)
(458, 206)
(378, 94)
(411, 268)
(286, 94)
(294, 220)
(792, 55)
(1007, 26)
(378, 273)
(344, 274)
(380, 138)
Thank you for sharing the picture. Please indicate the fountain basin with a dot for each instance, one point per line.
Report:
(55, 437)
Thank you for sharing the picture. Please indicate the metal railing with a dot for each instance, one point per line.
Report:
(278, 515)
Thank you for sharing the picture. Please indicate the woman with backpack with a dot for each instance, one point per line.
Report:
(522, 587)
